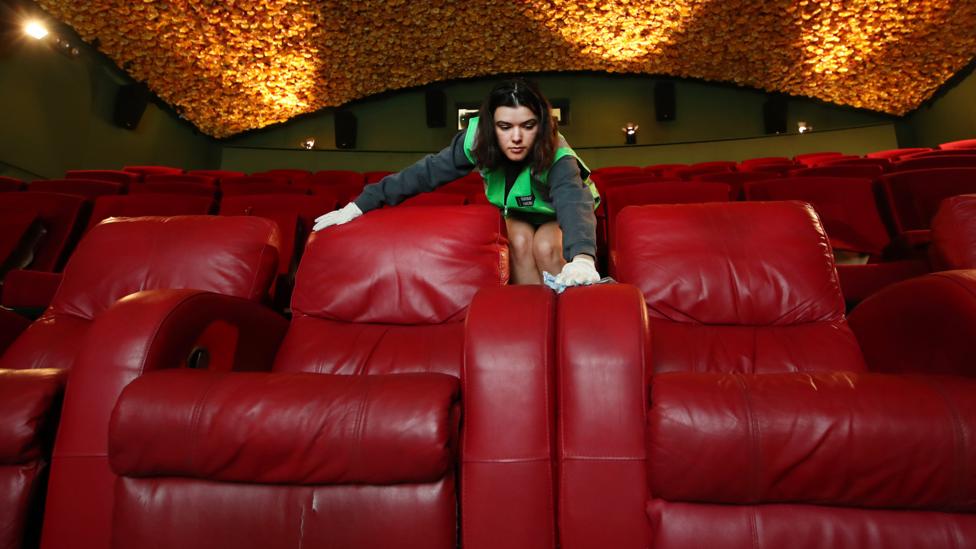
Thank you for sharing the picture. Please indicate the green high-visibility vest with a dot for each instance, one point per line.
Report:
(529, 192)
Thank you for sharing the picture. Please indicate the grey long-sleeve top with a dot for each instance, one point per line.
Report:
(567, 192)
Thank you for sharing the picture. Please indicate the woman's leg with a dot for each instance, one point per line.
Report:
(547, 247)
(520, 237)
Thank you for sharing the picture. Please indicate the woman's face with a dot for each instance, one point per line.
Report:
(516, 129)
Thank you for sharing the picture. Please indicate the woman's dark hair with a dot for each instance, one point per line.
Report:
(517, 92)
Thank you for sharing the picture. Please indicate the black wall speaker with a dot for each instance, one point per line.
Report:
(774, 115)
(664, 101)
(130, 103)
(345, 129)
(436, 108)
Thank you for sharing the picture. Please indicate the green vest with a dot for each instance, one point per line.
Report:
(529, 194)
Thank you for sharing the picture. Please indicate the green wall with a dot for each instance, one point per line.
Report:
(949, 118)
(56, 114)
(392, 128)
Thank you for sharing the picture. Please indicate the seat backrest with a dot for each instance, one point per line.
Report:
(846, 207)
(146, 171)
(895, 154)
(180, 178)
(218, 175)
(147, 204)
(86, 188)
(737, 287)
(388, 292)
(117, 176)
(230, 255)
(938, 161)
(811, 159)
(59, 213)
(678, 192)
(841, 170)
(914, 196)
(207, 190)
(961, 144)
(954, 233)
(736, 180)
(10, 184)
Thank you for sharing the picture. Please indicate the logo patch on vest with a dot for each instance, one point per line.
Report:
(525, 201)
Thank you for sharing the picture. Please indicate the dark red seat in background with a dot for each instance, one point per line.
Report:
(10, 184)
(85, 188)
(725, 402)
(147, 170)
(147, 204)
(116, 176)
(954, 233)
(913, 197)
(961, 144)
(735, 180)
(345, 185)
(895, 154)
(935, 162)
(115, 259)
(841, 170)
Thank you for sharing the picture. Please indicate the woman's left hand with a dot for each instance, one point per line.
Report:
(581, 270)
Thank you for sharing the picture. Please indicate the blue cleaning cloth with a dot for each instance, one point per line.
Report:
(550, 280)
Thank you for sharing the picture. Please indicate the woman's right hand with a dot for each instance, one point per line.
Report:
(343, 215)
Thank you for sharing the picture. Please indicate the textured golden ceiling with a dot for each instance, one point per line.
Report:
(231, 66)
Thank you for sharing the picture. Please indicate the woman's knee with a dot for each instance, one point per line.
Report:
(520, 243)
(546, 247)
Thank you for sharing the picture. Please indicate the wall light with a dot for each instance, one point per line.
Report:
(309, 143)
(630, 133)
(35, 29)
(803, 127)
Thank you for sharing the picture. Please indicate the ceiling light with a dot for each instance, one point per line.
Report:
(35, 29)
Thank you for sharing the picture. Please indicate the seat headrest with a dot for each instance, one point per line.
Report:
(754, 263)
(954, 232)
(236, 256)
(418, 265)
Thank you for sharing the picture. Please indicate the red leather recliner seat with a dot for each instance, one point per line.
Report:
(117, 258)
(723, 401)
(352, 438)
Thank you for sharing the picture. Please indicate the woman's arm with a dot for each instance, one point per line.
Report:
(425, 175)
(574, 208)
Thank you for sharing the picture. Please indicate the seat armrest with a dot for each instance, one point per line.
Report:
(602, 349)
(826, 438)
(23, 289)
(145, 331)
(11, 326)
(29, 404)
(286, 428)
(509, 419)
(922, 325)
(153, 330)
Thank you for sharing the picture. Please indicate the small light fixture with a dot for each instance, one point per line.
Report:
(309, 143)
(36, 30)
(630, 133)
(803, 127)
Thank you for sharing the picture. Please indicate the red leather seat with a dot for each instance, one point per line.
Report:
(147, 171)
(961, 144)
(935, 162)
(345, 185)
(217, 175)
(736, 180)
(723, 401)
(679, 192)
(10, 184)
(839, 170)
(896, 154)
(142, 205)
(352, 439)
(116, 176)
(85, 188)
(954, 233)
(117, 258)
(914, 196)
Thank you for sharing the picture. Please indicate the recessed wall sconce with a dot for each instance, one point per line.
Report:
(630, 133)
(803, 127)
(309, 143)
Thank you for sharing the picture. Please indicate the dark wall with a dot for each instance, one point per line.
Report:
(56, 113)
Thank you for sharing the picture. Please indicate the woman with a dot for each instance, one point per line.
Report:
(530, 173)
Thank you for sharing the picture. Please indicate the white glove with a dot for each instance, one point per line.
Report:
(343, 215)
(581, 270)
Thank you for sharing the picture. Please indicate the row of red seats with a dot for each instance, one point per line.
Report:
(415, 400)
